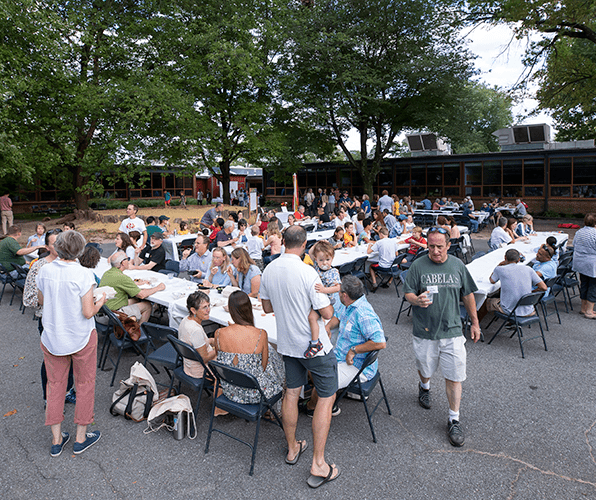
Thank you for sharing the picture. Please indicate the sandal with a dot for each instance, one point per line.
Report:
(313, 349)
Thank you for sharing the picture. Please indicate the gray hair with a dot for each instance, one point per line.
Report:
(70, 245)
(118, 258)
(352, 286)
(502, 221)
(228, 224)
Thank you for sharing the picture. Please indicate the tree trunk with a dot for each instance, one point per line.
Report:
(81, 199)
(224, 167)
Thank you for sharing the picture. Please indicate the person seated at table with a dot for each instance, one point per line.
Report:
(135, 236)
(341, 218)
(409, 224)
(264, 222)
(154, 259)
(68, 226)
(221, 272)
(322, 215)
(337, 240)
(452, 227)
(299, 214)
(321, 257)
(197, 263)
(246, 275)
(389, 220)
(12, 253)
(516, 281)
(499, 235)
(233, 216)
(254, 246)
(365, 235)
(544, 265)
(470, 218)
(378, 221)
(520, 208)
(442, 222)
(152, 226)
(349, 235)
(90, 259)
(291, 220)
(551, 241)
(129, 298)
(39, 238)
(123, 243)
(241, 232)
(427, 204)
(184, 230)
(387, 249)
(511, 231)
(437, 204)
(243, 346)
(164, 225)
(416, 242)
(224, 237)
(215, 228)
(526, 226)
(274, 239)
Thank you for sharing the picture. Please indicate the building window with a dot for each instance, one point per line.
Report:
(491, 174)
(473, 174)
(534, 172)
(512, 172)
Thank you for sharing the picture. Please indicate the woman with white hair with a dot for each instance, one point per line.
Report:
(65, 289)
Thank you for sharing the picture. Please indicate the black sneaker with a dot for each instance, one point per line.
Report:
(336, 410)
(303, 408)
(424, 397)
(455, 433)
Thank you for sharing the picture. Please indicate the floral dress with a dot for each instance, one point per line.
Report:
(271, 379)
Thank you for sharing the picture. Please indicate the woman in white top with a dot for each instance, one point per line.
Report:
(65, 289)
(124, 244)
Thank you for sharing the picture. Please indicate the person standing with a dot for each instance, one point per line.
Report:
(584, 263)
(6, 211)
(134, 223)
(433, 286)
(199, 197)
(292, 300)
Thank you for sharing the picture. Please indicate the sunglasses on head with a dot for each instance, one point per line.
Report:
(438, 230)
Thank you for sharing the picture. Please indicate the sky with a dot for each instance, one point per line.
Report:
(499, 63)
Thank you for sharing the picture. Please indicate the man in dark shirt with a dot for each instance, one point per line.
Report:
(467, 215)
(224, 237)
(154, 259)
(323, 215)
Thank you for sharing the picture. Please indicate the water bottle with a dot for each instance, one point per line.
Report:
(180, 426)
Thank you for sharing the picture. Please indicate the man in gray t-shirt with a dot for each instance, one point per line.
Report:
(516, 281)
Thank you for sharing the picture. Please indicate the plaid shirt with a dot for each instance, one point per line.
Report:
(358, 323)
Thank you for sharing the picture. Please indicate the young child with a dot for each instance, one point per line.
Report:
(216, 228)
(183, 200)
(254, 246)
(322, 254)
(416, 242)
(183, 228)
(387, 249)
(409, 225)
(349, 236)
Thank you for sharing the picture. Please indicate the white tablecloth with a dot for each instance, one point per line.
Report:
(482, 268)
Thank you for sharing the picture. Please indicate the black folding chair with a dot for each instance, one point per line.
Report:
(364, 390)
(249, 412)
(123, 343)
(550, 299)
(164, 355)
(186, 351)
(20, 283)
(7, 279)
(391, 272)
(408, 308)
(359, 271)
(346, 268)
(530, 299)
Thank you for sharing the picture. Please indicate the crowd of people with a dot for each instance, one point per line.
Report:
(315, 302)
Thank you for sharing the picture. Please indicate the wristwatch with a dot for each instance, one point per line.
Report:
(353, 349)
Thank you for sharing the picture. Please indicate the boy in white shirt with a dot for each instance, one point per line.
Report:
(254, 246)
(387, 250)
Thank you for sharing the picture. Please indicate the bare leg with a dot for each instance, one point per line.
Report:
(81, 433)
(373, 276)
(453, 390)
(423, 379)
(289, 417)
(589, 312)
(320, 429)
(313, 319)
(56, 433)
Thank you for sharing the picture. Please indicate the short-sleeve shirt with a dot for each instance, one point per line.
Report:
(209, 216)
(387, 250)
(358, 323)
(196, 262)
(192, 333)
(153, 229)
(254, 246)
(413, 249)
(516, 280)
(386, 202)
(136, 224)
(245, 279)
(36, 240)
(223, 236)
(63, 284)
(124, 285)
(292, 300)
(8, 253)
(157, 255)
(498, 236)
(584, 251)
(441, 319)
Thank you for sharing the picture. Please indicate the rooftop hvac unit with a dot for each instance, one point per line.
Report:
(524, 134)
(425, 142)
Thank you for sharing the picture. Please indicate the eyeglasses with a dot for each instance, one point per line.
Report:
(55, 231)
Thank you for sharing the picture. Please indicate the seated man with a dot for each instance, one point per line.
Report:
(12, 253)
(224, 237)
(154, 257)
(129, 297)
(360, 331)
(520, 208)
(164, 225)
(198, 262)
(322, 215)
(469, 217)
(389, 219)
(544, 265)
(516, 281)
(299, 214)
(499, 235)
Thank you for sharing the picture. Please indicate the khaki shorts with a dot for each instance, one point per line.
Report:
(449, 354)
(131, 310)
(346, 373)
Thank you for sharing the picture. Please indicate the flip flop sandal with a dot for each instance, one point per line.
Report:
(316, 481)
(303, 448)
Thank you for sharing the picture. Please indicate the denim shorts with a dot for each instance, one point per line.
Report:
(323, 370)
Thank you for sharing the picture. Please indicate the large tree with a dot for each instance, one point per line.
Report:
(77, 91)
(563, 59)
(378, 67)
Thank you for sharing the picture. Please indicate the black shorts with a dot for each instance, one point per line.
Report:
(323, 370)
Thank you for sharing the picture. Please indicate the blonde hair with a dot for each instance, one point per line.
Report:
(226, 263)
(244, 260)
(417, 229)
(324, 247)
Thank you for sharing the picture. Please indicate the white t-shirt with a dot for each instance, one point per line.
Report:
(498, 236)
(516, 280)
(386, 202)
(254, 247)
(387, 249)
(192, 333)
(289, 284)
(63, 284)
(135, 224)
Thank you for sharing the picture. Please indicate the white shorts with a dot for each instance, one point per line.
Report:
(450, 354)
(346, 373)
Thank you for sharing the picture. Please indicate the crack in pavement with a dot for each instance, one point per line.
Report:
(521, 462)
(514, 483)
(29, 458)
(116, 492)
(590, 449)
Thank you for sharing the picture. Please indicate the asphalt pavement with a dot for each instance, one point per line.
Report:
(529, 425)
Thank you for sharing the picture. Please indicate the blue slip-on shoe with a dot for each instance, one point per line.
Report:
(92, 438)
(57, 448)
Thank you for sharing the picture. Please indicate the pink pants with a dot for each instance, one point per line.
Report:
(83, 363)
